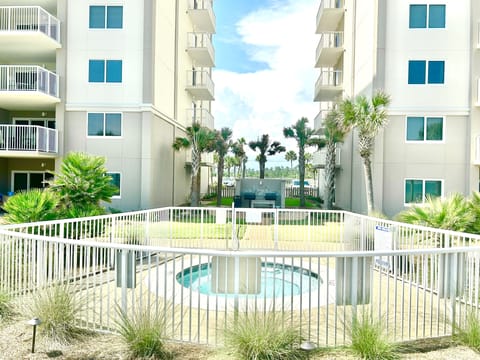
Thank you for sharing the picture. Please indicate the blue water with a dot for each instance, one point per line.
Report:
(277, 280)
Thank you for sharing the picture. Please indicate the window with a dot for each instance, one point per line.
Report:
(421, 128)
(30, 180)
(104, 124)
(109, 17)
(116, 182)
(97, 73)
(417, 72)
(421, 15)
(417, 190)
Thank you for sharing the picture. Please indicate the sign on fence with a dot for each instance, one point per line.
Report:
(383, 241)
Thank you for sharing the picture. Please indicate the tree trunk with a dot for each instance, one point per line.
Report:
(262, 169)
(301, 174)
(330, 159)
(220, 164)
(367, 167)
(244, 167)
(195, 184)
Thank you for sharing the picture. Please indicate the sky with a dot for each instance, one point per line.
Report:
(264, 75)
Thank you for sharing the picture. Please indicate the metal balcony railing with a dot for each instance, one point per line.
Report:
(329, 4)
(329, 78)
(29, 18)
(200, 84)
(28, 138)
(201, 116)
(201, 12)
(28, 78)
(201, 42)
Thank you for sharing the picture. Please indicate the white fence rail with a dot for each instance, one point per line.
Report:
(29, 18)
(28, 78)
(28, 138)
(314, 267)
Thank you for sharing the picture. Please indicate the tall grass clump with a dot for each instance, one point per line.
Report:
(144, 332)
(469, 334)
(58, 310)
(6, 307)
(368, 339)
(259, 336)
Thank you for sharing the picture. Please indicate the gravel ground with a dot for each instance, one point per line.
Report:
(16, 342)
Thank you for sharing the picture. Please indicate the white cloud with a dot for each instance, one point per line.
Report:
(265, 101)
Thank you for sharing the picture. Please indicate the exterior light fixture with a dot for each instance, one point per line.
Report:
(308, 347)
(34, 322)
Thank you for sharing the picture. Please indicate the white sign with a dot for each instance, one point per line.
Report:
(383, 241)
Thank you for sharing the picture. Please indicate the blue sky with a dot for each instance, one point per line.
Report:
(264, 75)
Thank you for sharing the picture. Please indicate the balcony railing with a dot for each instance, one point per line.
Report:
(200, 84)
(29, 18)
(28, 78)
(325, 11)
(201, 116)
(201, 49)
(329, 49)
(330, 78)
(202, 15)
(28, 138)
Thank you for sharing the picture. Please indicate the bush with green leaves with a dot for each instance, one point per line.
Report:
(469, 334)
(262, 336)
(369, 340)
(58, 308)
(6, 307)
(83, 181)
(144, 332)
(31, 206)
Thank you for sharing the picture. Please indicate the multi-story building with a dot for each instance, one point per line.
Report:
(426, 56)
(120, 79)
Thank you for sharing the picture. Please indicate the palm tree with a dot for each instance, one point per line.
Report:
(230, 163)
(266, 149)
(239, 152)
(291, 156)
(223, 143)
(305, 136)
(199, 139)
(334, 134)
(368, 117)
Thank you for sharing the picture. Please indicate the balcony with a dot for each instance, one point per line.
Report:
(330, 15)
(27, 87)
(28, 141)
(201, 116)
(329, 49)
(329, 85)
(319, 158)
(202, 15)
(200, 49)
(200, 85)
(27, 33)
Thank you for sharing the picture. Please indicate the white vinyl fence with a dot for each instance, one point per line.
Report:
(198, 267)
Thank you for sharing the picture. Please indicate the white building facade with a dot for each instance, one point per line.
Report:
(119, 79)
(425, 55)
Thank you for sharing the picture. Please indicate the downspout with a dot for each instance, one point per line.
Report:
(352, 93)
(175, 96)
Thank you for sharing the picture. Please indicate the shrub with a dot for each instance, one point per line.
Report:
(469, 335)
(369, 340)
(31, 206)
(264, 337)
(6, 307)
(58, 309)
(83, 181)
(144, 333)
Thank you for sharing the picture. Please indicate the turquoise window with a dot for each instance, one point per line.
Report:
(436, 16)
(418, 16)
(106, 17)
(416, 71)
(436, 72)
(96, 70)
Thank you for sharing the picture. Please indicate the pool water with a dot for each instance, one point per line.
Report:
(277, 280)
